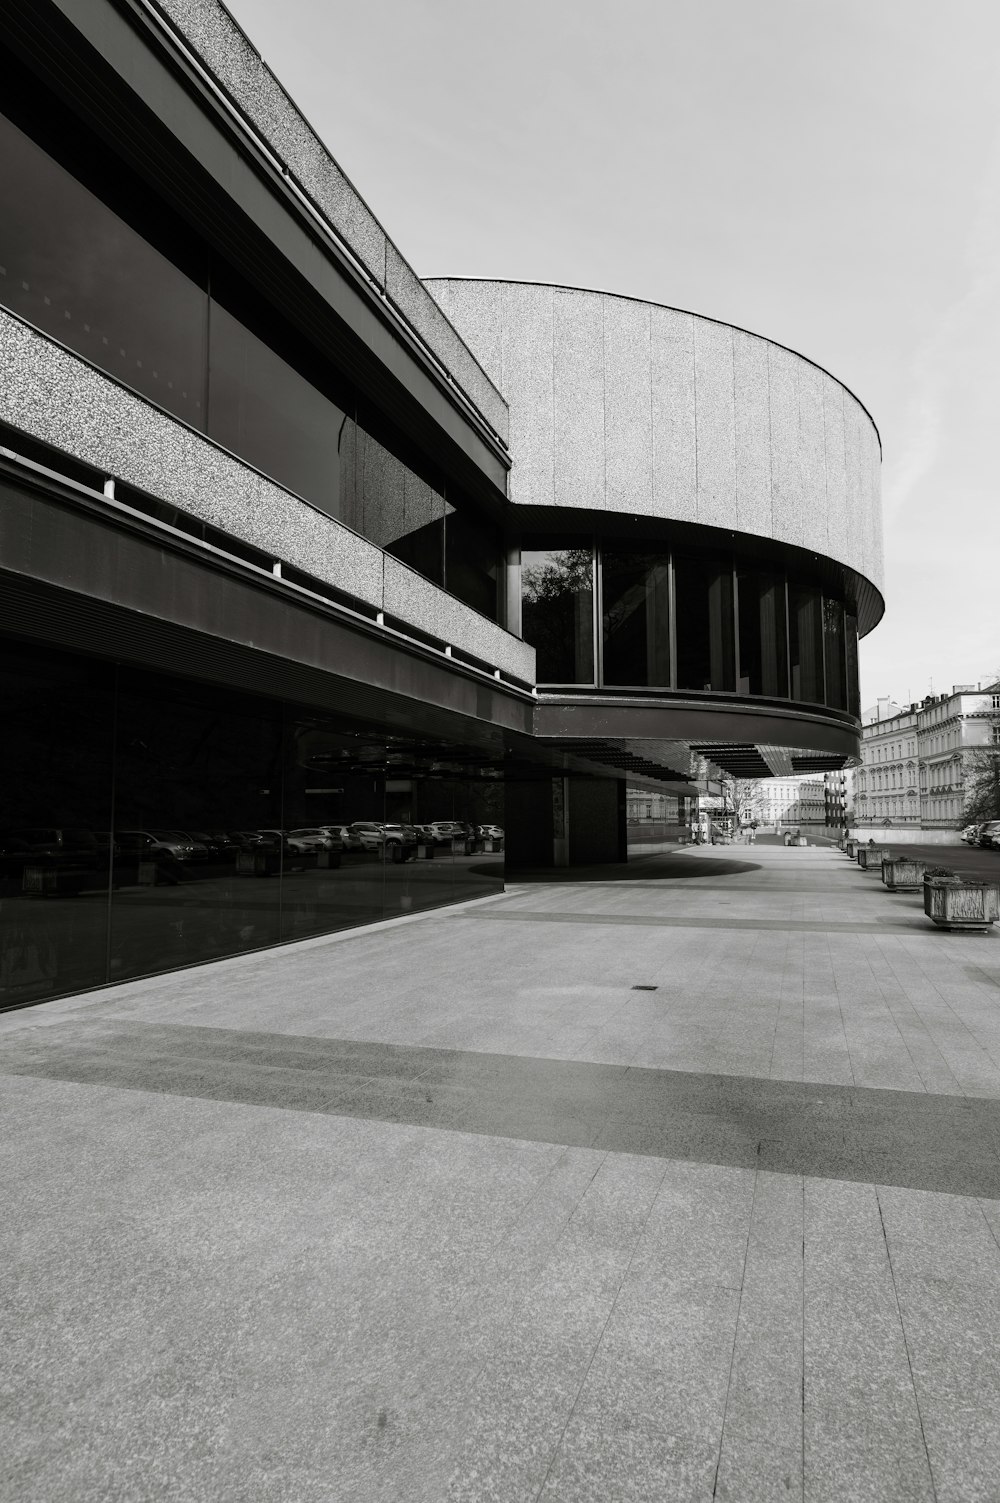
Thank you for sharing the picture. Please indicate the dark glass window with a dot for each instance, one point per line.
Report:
(390, 504)
(805, 622)
(56, 774)
(703, 587)
(851, 664)
(271, 416)
(636, 616)
(834, 655)
(557, 611)
(152, 822)
(75, 269)
(90, 255)
(473, 552)
(762, 633)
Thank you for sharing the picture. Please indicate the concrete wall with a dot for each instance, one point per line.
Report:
(631, 407)
(896, 835)
(62, 400)
(241, 72)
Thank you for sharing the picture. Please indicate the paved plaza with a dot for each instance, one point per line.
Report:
(667, 1183)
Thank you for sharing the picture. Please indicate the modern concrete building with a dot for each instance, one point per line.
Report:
(291, 541)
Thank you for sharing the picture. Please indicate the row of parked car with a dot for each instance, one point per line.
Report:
(194, 847)
(986, 835)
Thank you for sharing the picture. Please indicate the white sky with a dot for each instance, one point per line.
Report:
(823, 172)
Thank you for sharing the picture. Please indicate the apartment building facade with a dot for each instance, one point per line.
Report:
(915, 758)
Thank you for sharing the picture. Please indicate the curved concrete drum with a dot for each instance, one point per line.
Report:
(681, 433)
(632, 407)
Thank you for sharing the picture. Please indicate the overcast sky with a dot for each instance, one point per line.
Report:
(823, 172)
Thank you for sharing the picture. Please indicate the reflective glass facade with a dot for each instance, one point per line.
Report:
(557, 609)
(700, 621)
(88, 255)
(151, 822)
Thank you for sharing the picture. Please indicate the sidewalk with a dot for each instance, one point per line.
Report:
(682, 1186)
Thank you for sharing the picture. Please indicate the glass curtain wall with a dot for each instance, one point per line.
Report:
(89, 256)
(703, 587)
(763, 645)
(150, 823)
(789, 640)
(557, 609)
(805, 623)
(635, 616)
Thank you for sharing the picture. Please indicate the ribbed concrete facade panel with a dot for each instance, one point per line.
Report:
(529, 368)
(787, 498)
(835, 443)
(578, 399)
(628, 411)
(740, 433)
(675, 465)
(753, 435)
(715, 433)
(812, 449)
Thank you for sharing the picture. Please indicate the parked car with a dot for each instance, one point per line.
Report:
(969, 834)
(66, 848)
(489, 832)
(317, 838)
(217, 845)
(292, 842)
(401, 835)
(351, 838)
(368, 832)
(989, 835)
(169, 842)
(447, 830)
(199, 850)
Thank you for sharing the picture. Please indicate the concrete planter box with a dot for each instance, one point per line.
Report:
(258, 863)
(850, 847)
(425, 851)
(328, 860)
(900, 874)
(960, 904)
(40, 881)
(870, 857)
(492, 846)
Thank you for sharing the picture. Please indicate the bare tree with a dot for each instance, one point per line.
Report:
(741, 798)
(982, 785)
(982, 772)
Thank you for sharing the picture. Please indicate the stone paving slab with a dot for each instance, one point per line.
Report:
(244, 1255)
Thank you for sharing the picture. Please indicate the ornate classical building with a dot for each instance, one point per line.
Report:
(915, 760)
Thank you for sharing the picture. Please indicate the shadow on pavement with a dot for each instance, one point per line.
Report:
(646, 869)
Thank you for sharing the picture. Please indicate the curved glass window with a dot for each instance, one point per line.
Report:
(805, 632)
(703, 587)
(763, 633)
(636, 617)
(557, 611)
(701, 622)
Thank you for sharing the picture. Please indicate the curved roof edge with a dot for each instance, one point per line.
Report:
(628, 297)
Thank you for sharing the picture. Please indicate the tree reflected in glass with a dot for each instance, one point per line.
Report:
(557, 605)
